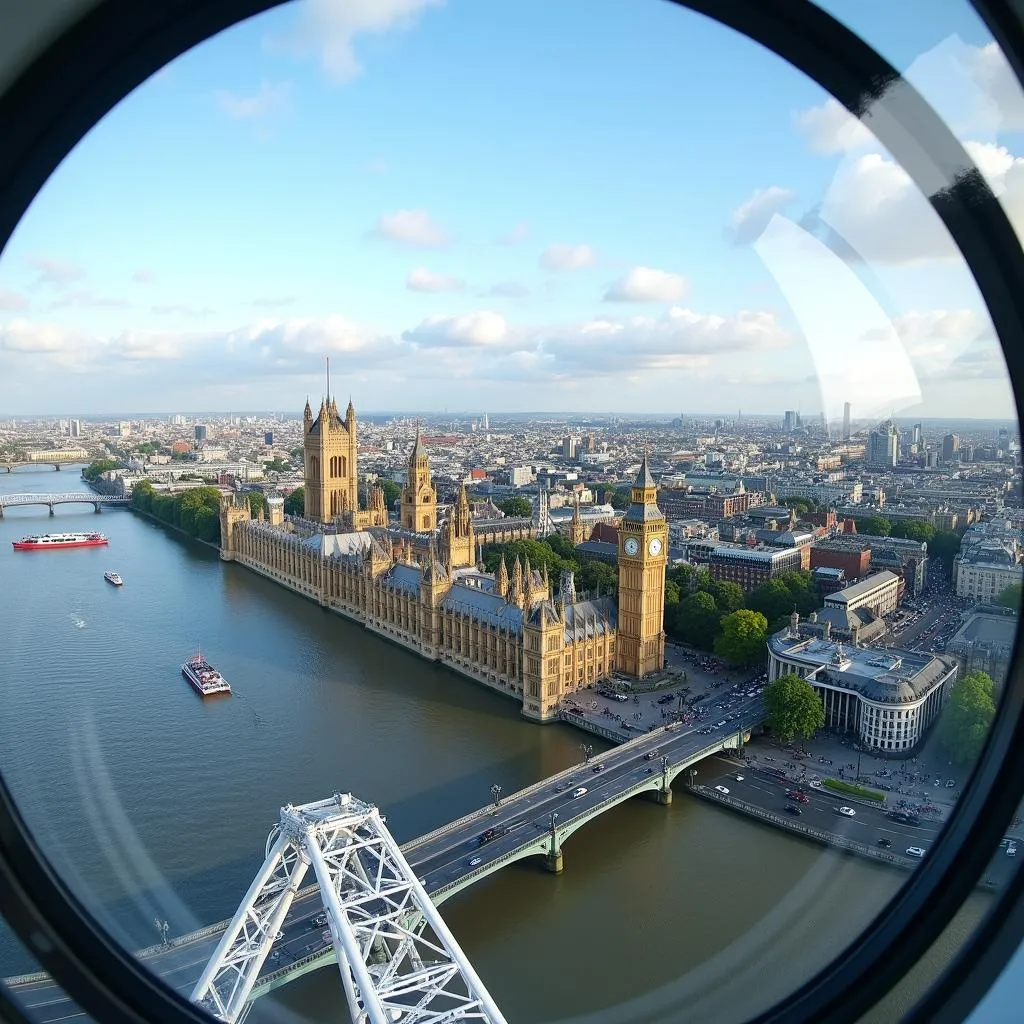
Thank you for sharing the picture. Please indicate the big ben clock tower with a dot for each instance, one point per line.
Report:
(643, 555)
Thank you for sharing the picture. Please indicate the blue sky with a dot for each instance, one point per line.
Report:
(506, 206)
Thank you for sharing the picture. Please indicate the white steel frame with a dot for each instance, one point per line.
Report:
(397, 958)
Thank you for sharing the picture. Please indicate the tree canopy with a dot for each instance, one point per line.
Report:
(392, 492)
(913, 529)
(876, 526)
(695, 620)
(619, 498)
(741, 638)
(795, 711)
(516, 506)
(295, 503)
(1010, 597)
(781, 595)
(98, 467)
(967, 717)
(195, 511)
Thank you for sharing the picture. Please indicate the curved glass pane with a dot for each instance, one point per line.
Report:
(655, 522)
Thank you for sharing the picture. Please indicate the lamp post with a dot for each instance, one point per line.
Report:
(693, 774)
(587, 751)
(496, 793)
(551, 822)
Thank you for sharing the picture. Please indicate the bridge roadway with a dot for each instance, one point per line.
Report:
(13, 464)
(69, 498)
(441, 859)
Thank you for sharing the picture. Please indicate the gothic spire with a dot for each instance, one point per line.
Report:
(501, 577)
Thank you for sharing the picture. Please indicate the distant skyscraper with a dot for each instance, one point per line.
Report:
(75, 428)
(487, 422)
(568, 447)
(950, 447)
(268, 438)
(917, 435)
(792, 419)
(884, 446)
(200, 431)
(846, 421)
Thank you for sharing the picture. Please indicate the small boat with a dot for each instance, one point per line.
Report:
(113, 577)
(203, 677)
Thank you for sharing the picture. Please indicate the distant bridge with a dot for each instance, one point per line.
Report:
(57, 461)
(96, 500)
(531, 823)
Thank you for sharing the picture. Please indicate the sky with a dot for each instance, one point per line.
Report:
(593, 205)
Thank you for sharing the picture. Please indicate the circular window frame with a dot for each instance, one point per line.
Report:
(118, 44)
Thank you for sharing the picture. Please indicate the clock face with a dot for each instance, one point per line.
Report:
(632, 546)
(655, 546)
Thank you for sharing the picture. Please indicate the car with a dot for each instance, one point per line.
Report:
(885, 843)
(581, 791)
(793, 809)
(847, 812)
(279, 936)
(599, 767)
(739, 778)
(915, 851)
(951, 784)
(621, 696)
(475, 861)
(651, 755)
(1011, 850)
(650, 769)
(722, 789)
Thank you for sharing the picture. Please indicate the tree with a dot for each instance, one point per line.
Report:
(728, 596)
(619, 498)
(517, 507)
(742, 636)
(595, 575)
(276, 465)
(258, 500)
(875, 526)
(696, 621)
(913, 529)
(295, 503)
(673, 595)
(97, 467)
(392, 492)
(967, 717)
(944, 546)
(1010, 597)
(795, 711)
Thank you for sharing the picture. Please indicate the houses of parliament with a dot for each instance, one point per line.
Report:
(420, 582)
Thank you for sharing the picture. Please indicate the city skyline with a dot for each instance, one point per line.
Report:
(394, 191)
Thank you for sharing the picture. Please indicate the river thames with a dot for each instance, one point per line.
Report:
(152, 803)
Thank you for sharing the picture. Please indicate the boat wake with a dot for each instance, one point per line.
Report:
(78, 621)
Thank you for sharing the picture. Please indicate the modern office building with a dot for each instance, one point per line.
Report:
(884, 446)
(846, 421)
(201, 432)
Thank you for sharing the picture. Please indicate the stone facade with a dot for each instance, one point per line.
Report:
(509, 630)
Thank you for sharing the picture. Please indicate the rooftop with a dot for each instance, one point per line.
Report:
(986, 629)
(889, 677)
(863, 588)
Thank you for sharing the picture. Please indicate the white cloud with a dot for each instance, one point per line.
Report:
(144, 276)
(272, 302)
(509, 290)
(749, 219)
(645, 284)
(271, 98)
(12, 301)
(411, 227)
(423, 280)
(567, 257)
(679, 339)
(831, 128)
(879, 211)
(181, 309)
(950, 343)
(56, 273)
(85, 298)
(470, 330)
(328, 28)
(996, 78)
(518, 234)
